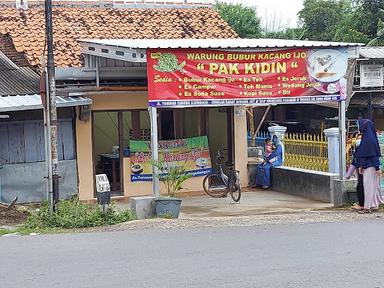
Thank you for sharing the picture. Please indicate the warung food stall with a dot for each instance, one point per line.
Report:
(192, 82)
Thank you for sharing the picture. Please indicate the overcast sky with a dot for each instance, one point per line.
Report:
(284, 11)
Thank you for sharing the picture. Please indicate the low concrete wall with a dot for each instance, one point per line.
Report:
(27, 181)
(306, 183)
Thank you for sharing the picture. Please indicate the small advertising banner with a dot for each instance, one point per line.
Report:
(371, 75)
(201, 77)
(380, 138)
(191, 153)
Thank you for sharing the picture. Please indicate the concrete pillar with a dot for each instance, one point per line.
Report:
(85, 159)
(333, 149)
(277, 129)
(273, 130)
(241, 145)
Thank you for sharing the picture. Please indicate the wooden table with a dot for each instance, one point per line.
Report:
(111, 158)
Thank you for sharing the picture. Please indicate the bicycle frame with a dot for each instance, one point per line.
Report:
(221, 172)
(223, 176)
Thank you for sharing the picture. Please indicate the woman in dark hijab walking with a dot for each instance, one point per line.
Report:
(369, 166)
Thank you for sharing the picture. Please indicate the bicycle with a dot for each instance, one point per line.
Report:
(218, 184)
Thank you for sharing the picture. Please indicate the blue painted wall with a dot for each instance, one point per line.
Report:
(23, 141)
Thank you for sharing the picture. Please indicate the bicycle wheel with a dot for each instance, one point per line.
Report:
(213, 185)
(236, 187)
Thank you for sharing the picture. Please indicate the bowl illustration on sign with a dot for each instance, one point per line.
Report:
(327, 65)
(168, 62)
(201, 162)
(137, 168)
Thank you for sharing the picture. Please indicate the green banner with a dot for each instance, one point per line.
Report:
(191, 153)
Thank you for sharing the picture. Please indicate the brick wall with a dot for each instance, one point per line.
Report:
(6, 46)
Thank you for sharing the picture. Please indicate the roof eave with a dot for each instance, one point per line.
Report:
(229, 43)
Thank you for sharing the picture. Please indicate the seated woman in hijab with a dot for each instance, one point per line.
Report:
(369, 166)
(263, 173)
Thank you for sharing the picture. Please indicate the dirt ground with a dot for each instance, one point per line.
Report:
(11, 217)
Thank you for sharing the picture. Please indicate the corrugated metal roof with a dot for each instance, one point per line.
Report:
(16, 80)
(372, 52)
(6, 63)
(33, 102)
(362, 99)
(215, 43)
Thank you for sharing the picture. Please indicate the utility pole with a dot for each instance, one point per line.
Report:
(51, 111)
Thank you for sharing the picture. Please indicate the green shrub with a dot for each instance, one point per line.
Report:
(173, 177)
(74, 214)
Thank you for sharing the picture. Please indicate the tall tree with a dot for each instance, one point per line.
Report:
(344, 20)
(320, 18)
(349, 29)
(286, 33)
(368, 14)
(242, 19)
(379, 39)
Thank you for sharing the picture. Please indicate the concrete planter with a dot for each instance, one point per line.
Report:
(167, 206)
(142, 206)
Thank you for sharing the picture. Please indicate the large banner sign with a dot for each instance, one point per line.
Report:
(191, 153)
(199, 77)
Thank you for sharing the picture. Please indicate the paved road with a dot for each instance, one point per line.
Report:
(328, 255)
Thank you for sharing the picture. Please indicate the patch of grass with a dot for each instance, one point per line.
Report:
(4, 231)
(27, 231)
(166, 216)
(74, 214)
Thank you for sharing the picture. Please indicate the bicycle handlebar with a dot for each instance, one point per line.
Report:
(219, 156)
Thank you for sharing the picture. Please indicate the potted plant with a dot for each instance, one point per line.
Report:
(173, 178)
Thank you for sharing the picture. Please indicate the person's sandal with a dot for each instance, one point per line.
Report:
(364, 211)
(357, 207)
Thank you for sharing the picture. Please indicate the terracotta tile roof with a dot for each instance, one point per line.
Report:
(26, 28)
